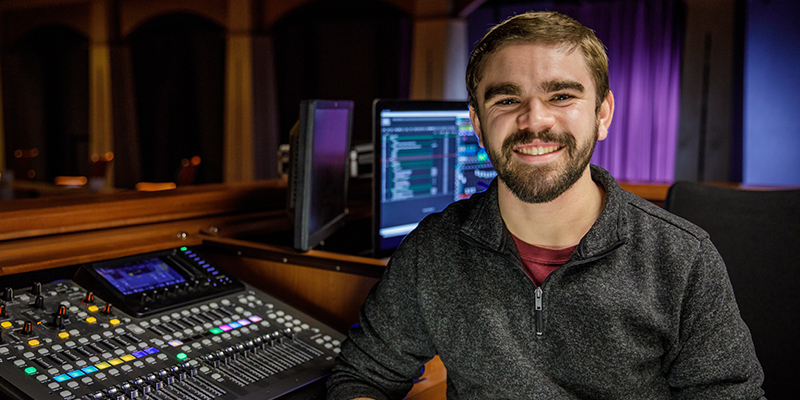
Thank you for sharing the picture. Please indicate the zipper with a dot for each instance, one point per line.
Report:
(538, 313)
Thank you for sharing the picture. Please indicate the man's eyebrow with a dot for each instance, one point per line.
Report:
(501, 90)
(555, 86)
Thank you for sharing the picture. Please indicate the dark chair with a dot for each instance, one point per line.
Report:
(757, 232)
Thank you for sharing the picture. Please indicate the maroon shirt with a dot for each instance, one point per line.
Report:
(539, 261)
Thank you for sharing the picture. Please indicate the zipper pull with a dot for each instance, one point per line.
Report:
(538, 312)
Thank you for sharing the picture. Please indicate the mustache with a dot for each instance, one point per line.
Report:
(526, 136)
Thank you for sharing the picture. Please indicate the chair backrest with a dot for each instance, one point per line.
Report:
(757, 232)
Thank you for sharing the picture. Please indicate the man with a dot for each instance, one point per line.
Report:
(554, 283)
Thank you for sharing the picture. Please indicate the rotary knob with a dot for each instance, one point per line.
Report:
(3, 313)
(8, 294)
(108, 308)
(38, 302)
(89, 299)
(27, 328)
(36, 289)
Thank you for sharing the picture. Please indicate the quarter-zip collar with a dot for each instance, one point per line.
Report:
(485, 227)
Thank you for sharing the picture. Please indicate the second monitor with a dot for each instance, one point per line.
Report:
(426, 156)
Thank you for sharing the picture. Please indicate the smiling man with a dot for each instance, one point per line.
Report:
(554, 283)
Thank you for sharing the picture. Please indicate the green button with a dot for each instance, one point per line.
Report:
(181, 356)
(30, 370)
(215, 331)
(184, 248)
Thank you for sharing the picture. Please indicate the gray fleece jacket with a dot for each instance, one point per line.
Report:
(643, 309)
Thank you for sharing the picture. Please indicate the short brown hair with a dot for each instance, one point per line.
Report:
(545, 28)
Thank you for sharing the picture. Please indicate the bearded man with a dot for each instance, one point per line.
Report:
(554, 283)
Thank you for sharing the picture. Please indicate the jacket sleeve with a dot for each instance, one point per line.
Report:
(386, 351)
(715, 357)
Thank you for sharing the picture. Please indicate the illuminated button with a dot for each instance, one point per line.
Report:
(93, 308)
(76, 373)
(139, 354)
(181, 356)
(32, 370)
(6, 324)
(215, 331)
(175, 343)
(102, 365)
(63, 335)
(33, 342)
(254, 318)
(89, 369)
(151, 350)
(114, 321)
(115, 361)
(128, 357)
(91, 320)
(62, 378)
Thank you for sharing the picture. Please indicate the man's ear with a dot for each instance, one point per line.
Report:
(476, 124)
(604, 116)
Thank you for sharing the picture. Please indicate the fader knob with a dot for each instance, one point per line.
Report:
(8, 294)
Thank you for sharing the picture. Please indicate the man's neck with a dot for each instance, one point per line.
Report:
(558, 224)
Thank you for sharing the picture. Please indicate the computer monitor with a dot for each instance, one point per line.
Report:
(426, 156)
(319, 170)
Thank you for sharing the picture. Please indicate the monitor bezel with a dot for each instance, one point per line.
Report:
(395, 105)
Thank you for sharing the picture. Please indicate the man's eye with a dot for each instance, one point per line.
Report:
(562, 97)
(506, 102)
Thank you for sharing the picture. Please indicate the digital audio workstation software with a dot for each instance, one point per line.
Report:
(427, 156)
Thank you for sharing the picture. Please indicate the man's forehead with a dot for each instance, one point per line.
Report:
(576, 69)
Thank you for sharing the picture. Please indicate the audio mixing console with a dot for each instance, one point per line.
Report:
(183, 330)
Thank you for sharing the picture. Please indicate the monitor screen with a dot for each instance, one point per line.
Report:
(426, 156)
(318, 170)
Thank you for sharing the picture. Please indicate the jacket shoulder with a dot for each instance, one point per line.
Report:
(654, 217)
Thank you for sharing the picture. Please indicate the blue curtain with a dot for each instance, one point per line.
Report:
(644, 40)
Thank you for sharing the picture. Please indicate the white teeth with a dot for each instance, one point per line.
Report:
(537, 151)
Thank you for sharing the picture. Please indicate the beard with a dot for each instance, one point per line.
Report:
(541, 183)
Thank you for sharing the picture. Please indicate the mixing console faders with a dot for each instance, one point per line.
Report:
(62, 340)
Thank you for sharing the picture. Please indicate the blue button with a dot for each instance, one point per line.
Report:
(62, 378)
(151, 350)
(76, 373)
(139, 354)
(235, 325)
(89, 369)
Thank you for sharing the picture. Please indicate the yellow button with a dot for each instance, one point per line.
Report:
(114, 321)
(115, 361)
(93, 308)
(33, 342)
(91, 320)
(128, 357)
(102, 365)
(63, 335)
(6, 324)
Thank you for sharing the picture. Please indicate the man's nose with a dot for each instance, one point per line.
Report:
(536, 116)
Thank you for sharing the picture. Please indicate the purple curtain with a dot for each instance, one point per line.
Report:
(644, 41)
